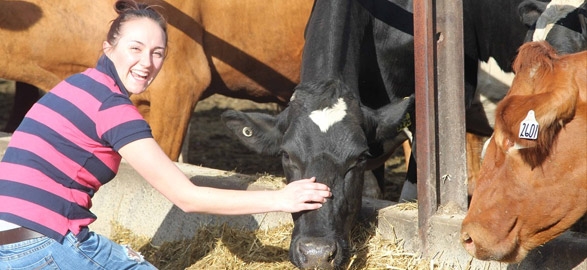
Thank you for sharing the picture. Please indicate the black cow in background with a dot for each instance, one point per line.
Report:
(25, 96)
(360, 50)
(561, 23)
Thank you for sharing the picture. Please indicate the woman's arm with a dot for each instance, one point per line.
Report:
(147, 158)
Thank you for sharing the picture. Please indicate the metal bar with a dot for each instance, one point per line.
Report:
(452, 156)
(441, 160)
(425, 61)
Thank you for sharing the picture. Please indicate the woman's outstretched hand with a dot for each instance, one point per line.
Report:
(304, 194)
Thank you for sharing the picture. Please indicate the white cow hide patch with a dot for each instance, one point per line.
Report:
(327, 117)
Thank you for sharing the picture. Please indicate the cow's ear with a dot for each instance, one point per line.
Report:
(530, 10)
(257, 131)
(394, 117)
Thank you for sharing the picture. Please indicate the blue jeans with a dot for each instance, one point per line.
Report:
(96, 252)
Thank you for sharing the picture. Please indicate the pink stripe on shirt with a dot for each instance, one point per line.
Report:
(102, 78)
(82, 99)
(33, 143)
(32, 177)
(117, 115)
(31, 211)
(69, 130)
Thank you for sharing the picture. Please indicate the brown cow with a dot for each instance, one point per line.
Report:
(256, 56)
(242, 49)
(532, 190)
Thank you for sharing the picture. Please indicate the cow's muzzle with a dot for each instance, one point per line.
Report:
(315, 253)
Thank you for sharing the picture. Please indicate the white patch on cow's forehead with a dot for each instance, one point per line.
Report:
(555, 10)
(327, 117)
(533, 70)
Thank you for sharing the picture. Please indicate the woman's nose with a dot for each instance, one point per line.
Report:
(146, 60)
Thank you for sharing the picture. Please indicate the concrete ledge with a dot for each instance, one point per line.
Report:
(568, 251)
(131, 202)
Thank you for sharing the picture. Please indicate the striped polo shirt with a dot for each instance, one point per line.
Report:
(65, 149)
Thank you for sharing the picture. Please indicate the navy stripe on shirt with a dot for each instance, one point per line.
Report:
(71, 113)
(32, 160)
(45, 198)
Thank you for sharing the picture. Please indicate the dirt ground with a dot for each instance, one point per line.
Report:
(212, 145)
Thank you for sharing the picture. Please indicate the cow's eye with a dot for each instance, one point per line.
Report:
(360, 162)
(284, 155)
(364, 157)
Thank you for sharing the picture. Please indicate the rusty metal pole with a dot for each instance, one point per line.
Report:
(425, 61)
(440, 122)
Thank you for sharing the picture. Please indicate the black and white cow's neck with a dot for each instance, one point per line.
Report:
(563, 24)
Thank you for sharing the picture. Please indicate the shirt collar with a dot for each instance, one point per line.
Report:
(106, 66)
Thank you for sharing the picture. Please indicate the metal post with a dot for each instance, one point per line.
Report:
(452, 155)
(440, 120)
(425, 61)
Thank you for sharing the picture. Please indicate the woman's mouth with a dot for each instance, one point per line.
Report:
(139, 75)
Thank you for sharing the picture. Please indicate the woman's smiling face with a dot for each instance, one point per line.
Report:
(138, 53)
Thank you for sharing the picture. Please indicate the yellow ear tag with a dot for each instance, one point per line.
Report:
(529, 127)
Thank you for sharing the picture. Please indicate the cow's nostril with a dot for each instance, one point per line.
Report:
(468, 243)
(317, 249)
(466, 238)
(316, 253)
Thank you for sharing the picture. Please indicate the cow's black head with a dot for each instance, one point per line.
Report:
(324, 132)
(563, 24)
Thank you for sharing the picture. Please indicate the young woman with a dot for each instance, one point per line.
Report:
(72, 141)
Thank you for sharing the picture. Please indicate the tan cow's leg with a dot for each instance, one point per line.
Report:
(474, 148)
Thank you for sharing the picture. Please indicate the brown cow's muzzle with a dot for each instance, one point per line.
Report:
(486, 244)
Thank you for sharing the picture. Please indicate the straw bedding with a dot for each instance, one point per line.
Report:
(223, 247)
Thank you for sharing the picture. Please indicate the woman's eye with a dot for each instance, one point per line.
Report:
(135, 49)
(158, 54)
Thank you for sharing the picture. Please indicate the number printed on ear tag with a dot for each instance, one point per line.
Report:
(529, 127)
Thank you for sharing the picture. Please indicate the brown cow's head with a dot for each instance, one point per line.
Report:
(530, 191)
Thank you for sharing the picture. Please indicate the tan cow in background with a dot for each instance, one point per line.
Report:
(241, 49)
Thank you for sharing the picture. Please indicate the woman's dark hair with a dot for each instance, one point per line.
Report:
(129, 9)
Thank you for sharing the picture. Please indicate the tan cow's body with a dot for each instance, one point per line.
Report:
(530, 191)
(242, 49)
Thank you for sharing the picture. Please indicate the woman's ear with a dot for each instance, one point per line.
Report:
(106, 47)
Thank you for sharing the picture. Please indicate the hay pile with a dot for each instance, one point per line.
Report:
(223, 247)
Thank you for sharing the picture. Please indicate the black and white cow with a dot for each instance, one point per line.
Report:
(357, 84)
(562, 23)
(324, 132)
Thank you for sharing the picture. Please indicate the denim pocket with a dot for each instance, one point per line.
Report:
(46, 263)
(16, 251)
